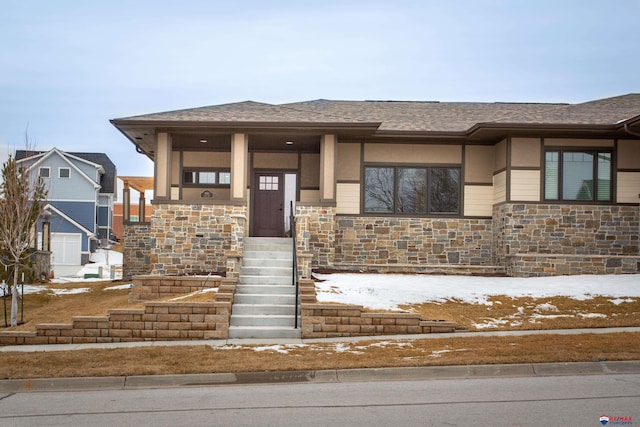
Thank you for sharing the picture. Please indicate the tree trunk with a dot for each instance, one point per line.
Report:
(14, 298)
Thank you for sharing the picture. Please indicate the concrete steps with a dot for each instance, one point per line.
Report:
(264, 302)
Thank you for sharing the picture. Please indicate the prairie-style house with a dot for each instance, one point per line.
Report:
(522, 189)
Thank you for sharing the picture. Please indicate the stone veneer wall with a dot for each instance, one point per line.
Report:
(416, 242)
(194, 238)
(316, 234)
(553, 239)
(157, 321)
(136, 249)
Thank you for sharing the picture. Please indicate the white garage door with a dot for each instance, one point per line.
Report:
(65, 251)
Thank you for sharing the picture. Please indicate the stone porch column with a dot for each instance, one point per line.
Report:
(162, 167)
(239, 161)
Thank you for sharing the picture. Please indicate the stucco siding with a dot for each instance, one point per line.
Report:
(275, 160)
(525, 152)
(479, 164)
(629, 154)
(478, 200)
(628, 187)
(413, 153)
(309, 196)
(348, 162)
(525, 185)
(348, 198)
(209, 159)
(310, 170)
(500, 155)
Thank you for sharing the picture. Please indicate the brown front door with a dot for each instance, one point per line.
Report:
(268, 204)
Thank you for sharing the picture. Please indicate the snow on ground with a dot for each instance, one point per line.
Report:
(102, 261)
(202, 291)
(388, 291)
(115, 288)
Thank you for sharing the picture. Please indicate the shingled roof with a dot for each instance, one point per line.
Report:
(108, 178)
(404, 116)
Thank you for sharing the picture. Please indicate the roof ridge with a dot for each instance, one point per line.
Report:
(287, 106)
(516, 115)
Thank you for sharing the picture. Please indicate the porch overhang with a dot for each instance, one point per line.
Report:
(142, 133)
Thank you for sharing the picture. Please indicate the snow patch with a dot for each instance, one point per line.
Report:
(389, 291)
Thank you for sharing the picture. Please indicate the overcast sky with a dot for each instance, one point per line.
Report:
(67, 67)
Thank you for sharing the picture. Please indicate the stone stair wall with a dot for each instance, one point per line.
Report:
(157, 321)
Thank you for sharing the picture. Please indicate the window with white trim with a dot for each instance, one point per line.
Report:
(44, 172)
(64, 173)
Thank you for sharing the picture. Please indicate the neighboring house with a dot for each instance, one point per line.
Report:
(522, 188)
(140, 185)
(81, 191)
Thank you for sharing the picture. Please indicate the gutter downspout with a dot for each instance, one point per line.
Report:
(629, 131)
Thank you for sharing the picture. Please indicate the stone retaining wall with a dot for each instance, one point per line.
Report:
(157, 321)
(339, 320)
(342, 320)
(154, 286)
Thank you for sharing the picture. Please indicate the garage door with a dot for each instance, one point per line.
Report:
(66, 248)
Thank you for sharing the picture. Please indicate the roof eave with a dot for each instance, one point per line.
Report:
(476, 129)
(244, 124)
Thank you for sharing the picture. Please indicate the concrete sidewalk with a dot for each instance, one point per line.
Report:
(285, 341)
(323, 376)
(331, 375)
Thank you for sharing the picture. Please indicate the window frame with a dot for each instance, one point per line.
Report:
(60, 169)
(197, 171)
(594, 152)
(424, 211)
(47, 168)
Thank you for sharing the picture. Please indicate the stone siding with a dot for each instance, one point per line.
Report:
(555, 239)
(316, 236)
(136, 249)
(188, 239)
(413, 242)
(157, 321)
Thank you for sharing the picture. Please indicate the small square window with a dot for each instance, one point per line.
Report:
(268, 183)
(64, 173)
(44, 172)
(224, 178)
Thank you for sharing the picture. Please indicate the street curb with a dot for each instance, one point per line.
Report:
(322, 376)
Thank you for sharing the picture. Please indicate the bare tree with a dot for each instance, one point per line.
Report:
(20, 207)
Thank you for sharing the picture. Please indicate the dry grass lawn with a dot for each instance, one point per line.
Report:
(502, 314)
(373, 354)
(505, 313)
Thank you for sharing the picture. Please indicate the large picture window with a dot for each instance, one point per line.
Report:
(412, 190)
(577, 175)
(206, 178)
